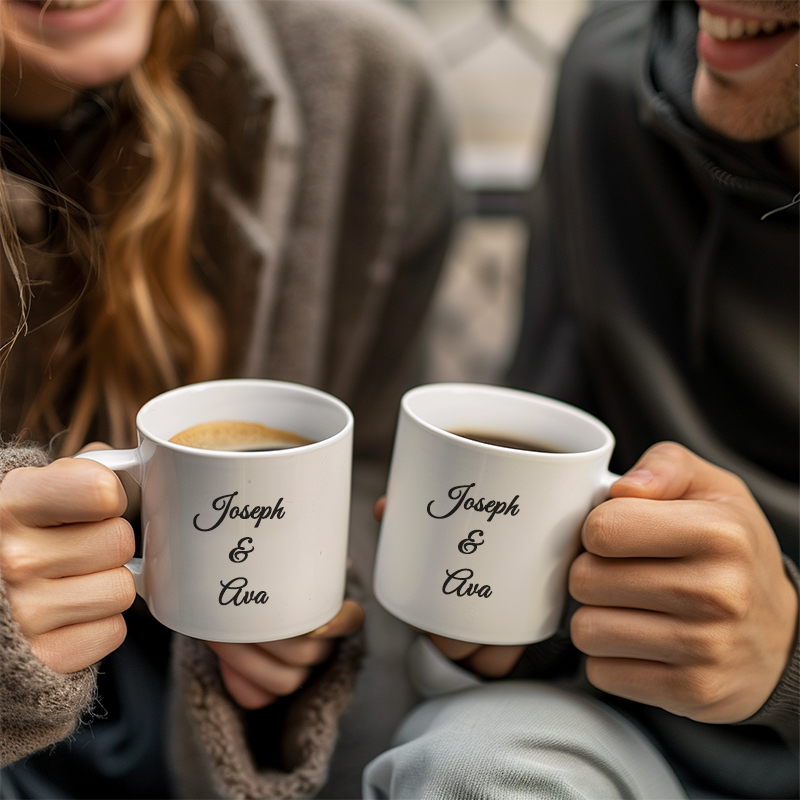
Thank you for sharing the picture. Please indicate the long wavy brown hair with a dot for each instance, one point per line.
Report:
(143, 322)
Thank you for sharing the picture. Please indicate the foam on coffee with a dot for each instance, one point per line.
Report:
(238, 436)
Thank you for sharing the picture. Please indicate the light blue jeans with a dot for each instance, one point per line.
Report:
(516, 740)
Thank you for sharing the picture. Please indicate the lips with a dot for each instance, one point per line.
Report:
(49, 5)
(730, 41)
(67, 16)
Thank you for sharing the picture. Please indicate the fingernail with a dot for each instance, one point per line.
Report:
(321, 631)
(638, 477)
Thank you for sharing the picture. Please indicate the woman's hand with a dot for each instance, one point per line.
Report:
(486, 660)
(256, 675)
(62, 550)
(686, 602)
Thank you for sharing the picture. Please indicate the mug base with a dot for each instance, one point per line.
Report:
(273, 634)
(466, 634)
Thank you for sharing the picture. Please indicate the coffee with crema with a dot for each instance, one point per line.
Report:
(513, 443)
(238, 436)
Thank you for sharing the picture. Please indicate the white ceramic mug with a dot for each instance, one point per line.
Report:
(477, 539)
(241, 546)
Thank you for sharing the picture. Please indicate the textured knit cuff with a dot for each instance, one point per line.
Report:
(782, 711)
(13, 456)
(38, 707)
(212, 749)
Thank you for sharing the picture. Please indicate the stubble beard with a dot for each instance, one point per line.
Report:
(748, 112)
(765, 106)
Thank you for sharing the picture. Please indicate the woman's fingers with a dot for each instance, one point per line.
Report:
(246, 693)
(42, 606)
(68, 550)
(76, 647)
(256, 674)
(68, 490)
(61, 556)
(261, 668)
(349, 619)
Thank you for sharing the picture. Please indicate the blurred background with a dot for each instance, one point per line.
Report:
(500, 60)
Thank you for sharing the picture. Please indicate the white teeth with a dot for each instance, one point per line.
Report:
(724, 28)
(752, 27)
(736, 28)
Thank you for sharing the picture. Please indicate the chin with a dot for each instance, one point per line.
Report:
(101, 69)
(83, 44)
(746, 111)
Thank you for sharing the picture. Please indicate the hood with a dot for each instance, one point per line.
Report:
(747, 169)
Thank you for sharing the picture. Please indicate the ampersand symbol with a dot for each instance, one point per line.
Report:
(469, 545)
(239, 553)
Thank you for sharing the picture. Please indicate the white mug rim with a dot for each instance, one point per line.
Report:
(239, 454)
(541, 400)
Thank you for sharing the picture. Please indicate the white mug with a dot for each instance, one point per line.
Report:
(241, 546)
(477, 539)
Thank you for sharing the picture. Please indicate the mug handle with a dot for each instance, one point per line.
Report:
(132, 462)
(605, 486)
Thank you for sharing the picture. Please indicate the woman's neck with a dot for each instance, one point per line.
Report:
(28, 96)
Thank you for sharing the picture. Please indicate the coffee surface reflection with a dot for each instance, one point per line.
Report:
(513, 443)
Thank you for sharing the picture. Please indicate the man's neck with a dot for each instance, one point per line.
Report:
(789, 150)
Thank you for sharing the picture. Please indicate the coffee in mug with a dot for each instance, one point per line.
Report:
(238, 436)
(506, 440)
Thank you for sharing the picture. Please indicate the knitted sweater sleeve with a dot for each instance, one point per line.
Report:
(38, 706)
(214, 747)
(211, 749)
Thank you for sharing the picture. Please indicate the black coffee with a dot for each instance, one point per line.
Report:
(509, 442)
(238, 436)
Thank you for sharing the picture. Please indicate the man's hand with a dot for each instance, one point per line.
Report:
(256, 675)
(686, 602)
(486, 660)
(62, 550)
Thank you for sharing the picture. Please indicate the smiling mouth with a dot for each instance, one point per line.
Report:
(731, 28)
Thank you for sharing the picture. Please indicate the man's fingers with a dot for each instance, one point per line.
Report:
(75, 647)
(688, 692)
(77, 549)
(454, 649)
(672, 586)
(45, 605)
(645, 635)
(349, 619)
(68, 490)
(628, 527)
(379, 508)
(668, 471)
(261, 668)
(494, 661)
(246, 693)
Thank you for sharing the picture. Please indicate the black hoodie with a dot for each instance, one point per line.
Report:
(659, 298)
